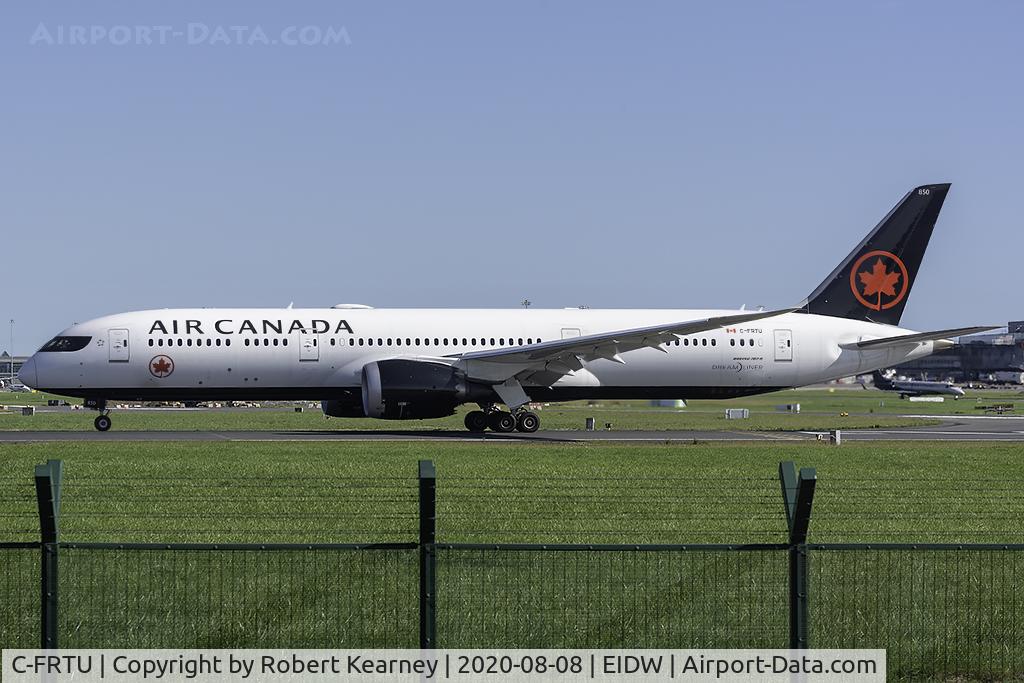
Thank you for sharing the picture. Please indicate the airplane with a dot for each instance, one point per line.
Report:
(402, 364)
(916, 387)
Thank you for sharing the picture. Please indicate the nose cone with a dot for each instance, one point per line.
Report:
(27, 374)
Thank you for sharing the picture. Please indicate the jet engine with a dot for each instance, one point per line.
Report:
(400, 389)
(348, 404)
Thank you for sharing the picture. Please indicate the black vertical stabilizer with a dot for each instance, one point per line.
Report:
(881, 381)
(873, 283)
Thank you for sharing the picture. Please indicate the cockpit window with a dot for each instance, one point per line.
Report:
(66, 344)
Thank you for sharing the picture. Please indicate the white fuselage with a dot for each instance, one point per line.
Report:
(318, 354)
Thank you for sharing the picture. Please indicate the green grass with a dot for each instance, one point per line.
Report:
(357, 491)
(821, 409)
(946, 614)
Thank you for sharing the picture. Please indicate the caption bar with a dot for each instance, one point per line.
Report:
(373, 666)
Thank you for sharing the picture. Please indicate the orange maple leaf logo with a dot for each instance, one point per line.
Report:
(161, 367)
(879, 281)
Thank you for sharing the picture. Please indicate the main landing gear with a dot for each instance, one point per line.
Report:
(499, 421)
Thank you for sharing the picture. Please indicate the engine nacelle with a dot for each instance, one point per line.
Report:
(349, 404)
(402, 389)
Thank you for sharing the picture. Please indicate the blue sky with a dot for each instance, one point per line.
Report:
(663, 154)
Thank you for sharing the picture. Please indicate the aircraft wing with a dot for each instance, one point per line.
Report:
(544, 363)
(915, 338)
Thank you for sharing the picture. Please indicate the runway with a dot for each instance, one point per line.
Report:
(1009, 429)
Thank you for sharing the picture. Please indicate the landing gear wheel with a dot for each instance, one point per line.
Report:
(527, 423)
(502, 422)
(476, 421)
(102, 423)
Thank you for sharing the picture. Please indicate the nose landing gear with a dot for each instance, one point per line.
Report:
(103, 422)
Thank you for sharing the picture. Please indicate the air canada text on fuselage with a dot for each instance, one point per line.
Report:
(262, 326)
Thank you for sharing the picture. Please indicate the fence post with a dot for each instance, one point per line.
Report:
(48, 480)
(428, 556)
(798, 493)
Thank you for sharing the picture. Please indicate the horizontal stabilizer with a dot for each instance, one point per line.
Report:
(917, 337)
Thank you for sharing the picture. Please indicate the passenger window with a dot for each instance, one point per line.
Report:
(417, 341)
(284, 342)
(351, 341)
(360, 341)
(218, 341)
(750, 343)
(408, 342)
(380, 342)
(704, 342)
(520, 341)
(276, 342)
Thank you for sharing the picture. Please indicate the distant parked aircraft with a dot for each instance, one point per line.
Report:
(916, 387)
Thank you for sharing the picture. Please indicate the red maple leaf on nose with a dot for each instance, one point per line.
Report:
(161, 367)
(879, 281)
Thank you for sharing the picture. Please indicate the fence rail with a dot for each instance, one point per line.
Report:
(940, 609)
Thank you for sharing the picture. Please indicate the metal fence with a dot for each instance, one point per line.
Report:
(941, 610)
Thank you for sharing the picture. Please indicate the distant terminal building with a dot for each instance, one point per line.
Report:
(980, 357)
(9, 365)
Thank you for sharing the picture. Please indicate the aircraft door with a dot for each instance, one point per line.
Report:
(783, 345)
(309, 346)
(117, 346)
